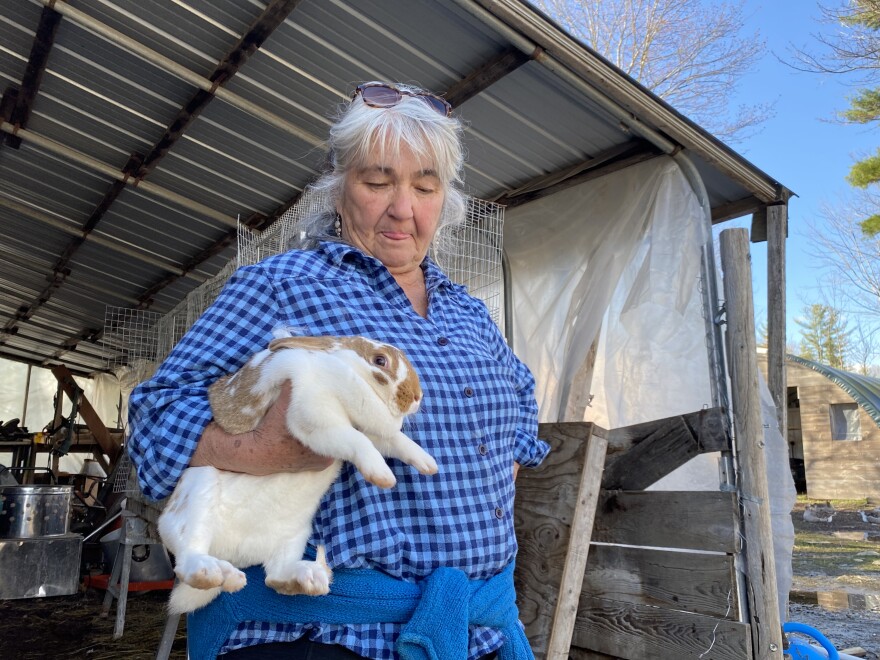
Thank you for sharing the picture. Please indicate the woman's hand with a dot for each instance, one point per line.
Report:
(266, 450)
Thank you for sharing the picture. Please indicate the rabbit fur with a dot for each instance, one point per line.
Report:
(348, 401)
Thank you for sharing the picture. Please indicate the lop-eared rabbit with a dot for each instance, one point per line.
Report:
(348, 401)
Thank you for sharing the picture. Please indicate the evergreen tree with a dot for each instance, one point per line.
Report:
(825, 337)
(856, 50)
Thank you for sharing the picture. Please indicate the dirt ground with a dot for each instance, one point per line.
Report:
(836, 576)
(830, 558)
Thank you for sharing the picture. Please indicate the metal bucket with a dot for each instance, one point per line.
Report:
(28, 512)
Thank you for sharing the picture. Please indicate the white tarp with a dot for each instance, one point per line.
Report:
(625, 247)
(624, 252)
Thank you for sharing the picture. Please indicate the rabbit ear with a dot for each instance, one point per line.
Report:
(309, 343)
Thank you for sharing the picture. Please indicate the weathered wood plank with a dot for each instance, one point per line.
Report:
(742, 360)
(668, 519)
(657, 448)
(578, 549)
(576, 653)
(710, 426)
(636, 632)
(777, 231)
(699, 583)
(543, 513)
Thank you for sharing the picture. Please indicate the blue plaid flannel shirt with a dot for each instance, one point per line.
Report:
(478, 416)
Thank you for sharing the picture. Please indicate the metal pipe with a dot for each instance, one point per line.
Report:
(70, 228)
(27, 389)
(714, 342)
(108, 170)
(175, 69)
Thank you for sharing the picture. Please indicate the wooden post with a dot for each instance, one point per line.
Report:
(106, 444)
(753, 490)
(777, 230)
(578, 549)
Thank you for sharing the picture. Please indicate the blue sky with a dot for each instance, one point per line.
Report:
(802, 146)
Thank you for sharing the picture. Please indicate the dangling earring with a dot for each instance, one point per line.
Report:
(337, 225)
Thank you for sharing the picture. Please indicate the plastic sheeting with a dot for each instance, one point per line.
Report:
(624, 248)
(782, 493)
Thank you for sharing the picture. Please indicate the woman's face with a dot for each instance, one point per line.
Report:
(390, 209)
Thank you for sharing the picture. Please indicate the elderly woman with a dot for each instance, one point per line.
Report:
(395, 165)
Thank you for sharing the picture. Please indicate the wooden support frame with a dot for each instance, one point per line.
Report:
(657, 448)
(578, 549)
(748, 424)
(777, 231)
(90, 417)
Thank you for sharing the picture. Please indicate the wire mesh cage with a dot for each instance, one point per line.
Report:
(471, 256)
(131, 340)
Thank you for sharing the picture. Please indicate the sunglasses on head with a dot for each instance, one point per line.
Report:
(382, 95)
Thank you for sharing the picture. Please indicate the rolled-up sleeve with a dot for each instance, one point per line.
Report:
(169, 412)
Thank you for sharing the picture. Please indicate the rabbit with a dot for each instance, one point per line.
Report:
(348, 401)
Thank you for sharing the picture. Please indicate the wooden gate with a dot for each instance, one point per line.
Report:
(660, 579)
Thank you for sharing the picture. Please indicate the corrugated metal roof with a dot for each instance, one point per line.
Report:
(74, 240)
(864, 389)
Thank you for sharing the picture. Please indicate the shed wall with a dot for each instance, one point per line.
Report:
(836, 469)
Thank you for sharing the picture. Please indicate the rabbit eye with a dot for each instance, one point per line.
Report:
(380, 360)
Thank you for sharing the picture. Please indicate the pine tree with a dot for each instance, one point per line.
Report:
(856, 49)
(825, 338)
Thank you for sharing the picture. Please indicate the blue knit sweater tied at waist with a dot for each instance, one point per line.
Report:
(436, 612)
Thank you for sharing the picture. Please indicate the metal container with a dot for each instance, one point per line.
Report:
(35, 568)
(28, 512)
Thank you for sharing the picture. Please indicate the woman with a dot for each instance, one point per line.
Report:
(395, 163)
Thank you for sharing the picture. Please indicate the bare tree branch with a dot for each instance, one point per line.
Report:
(689, 52)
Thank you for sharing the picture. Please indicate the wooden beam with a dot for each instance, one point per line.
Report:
(271, 17)
(140, 166)
(33, 75)
(546, 502)
(7, 106)
(748, 423)
(777, 231)
(485, 75)
(634, 154)
(758, 233)
(659, 447)
(668, 519)
(735, 209)
(578, 550)
(625, 630)
(16, 354)
(107, 444)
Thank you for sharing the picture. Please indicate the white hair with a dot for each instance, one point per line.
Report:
(412, 124)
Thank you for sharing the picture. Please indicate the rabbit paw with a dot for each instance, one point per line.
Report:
(307, 577)
(206, 572)
(421, 461)
(376, 471)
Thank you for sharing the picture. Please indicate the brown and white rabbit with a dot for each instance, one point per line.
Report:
(348, 401)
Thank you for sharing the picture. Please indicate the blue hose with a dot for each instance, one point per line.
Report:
(803, 651)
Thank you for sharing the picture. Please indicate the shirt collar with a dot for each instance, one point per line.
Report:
(338, 253)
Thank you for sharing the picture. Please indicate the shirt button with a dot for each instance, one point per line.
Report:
(499, 512)
(442, 341)
(468, 391)
(483, 450)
